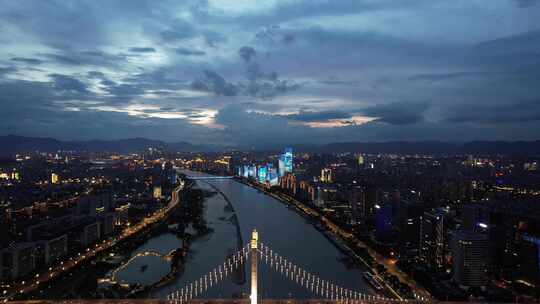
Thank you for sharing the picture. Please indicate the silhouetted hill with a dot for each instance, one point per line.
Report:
(15, 144)
(392, 147)
(437, 147)
(12, 144)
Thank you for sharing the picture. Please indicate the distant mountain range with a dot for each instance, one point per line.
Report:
(12, 144)
(438, 147)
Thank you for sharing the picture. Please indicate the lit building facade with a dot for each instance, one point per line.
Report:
(288, 160)
(55, 179)
(470, 258)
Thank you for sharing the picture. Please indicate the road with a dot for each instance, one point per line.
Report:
(66, 266)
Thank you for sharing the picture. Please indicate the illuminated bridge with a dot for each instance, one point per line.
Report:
(324, 290)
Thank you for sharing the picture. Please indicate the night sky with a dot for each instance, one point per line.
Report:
(271, 71)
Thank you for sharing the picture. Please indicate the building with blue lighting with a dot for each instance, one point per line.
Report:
(262, 172)
(288, 160)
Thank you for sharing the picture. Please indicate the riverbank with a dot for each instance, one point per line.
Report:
(193, 208)
(345, 241)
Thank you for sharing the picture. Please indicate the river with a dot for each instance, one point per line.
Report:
(281, 228)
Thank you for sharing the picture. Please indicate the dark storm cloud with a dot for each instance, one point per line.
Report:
(247, 52)
(214, 83)
(90, 58)
(179, 30)
(259, 83)
(274, 34)
(526, 3)
(495, 114)
(478, 69)
(67, 83)
(27, 60)
(401, 113)
(508, 52)
(290, 10)
(95, 74)
(311, 116)
(264, 88)
(189, 52)
(121, 93)
(448, 76)
(213, 39)
(142, 50)
(7, 70)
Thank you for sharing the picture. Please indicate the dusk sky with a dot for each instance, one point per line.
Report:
(271, 71)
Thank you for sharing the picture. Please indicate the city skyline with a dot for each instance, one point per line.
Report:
(270, 151)
(308, 72)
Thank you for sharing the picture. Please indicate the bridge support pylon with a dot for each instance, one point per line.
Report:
(254, 254)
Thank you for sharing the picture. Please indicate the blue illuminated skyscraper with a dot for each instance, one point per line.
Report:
(288, 160)
(281, 166)
(262, 174)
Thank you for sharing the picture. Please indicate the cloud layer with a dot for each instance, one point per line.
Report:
(271, 72)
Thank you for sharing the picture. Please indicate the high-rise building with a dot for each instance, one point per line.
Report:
(157, 192)
(326, 175)
(357, 200)
(17, 261)
(384, 221)
(288, 160)
(55, 179)
(470, 258)
(262, 174)
(281, 167)
(433, 237)
(360, 160)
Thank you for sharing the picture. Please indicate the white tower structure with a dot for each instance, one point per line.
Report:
(254, 253)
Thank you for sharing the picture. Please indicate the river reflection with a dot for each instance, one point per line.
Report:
(144, 270)
(280, 228)
(148, 263)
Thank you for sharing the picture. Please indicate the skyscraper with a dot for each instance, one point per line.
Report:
(360, 160)
(288, 160)
(433, 237)
(470, 258)
(55, 179)
(281, 166)
(326, 175)
(262, 174)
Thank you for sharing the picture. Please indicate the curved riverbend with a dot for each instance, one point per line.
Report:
(282, 229)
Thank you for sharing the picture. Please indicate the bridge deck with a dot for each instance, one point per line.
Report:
(201, 301)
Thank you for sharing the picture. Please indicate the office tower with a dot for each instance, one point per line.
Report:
(360, 160)
(357, 200)
(326, 175)
(433, 237)
(262, 174)
(55, 179)
(383, 222)
(157, 192)
(470, 258)
(288, 160)
(281, 167)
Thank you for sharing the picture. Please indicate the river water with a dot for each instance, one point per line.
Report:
(281, 228)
